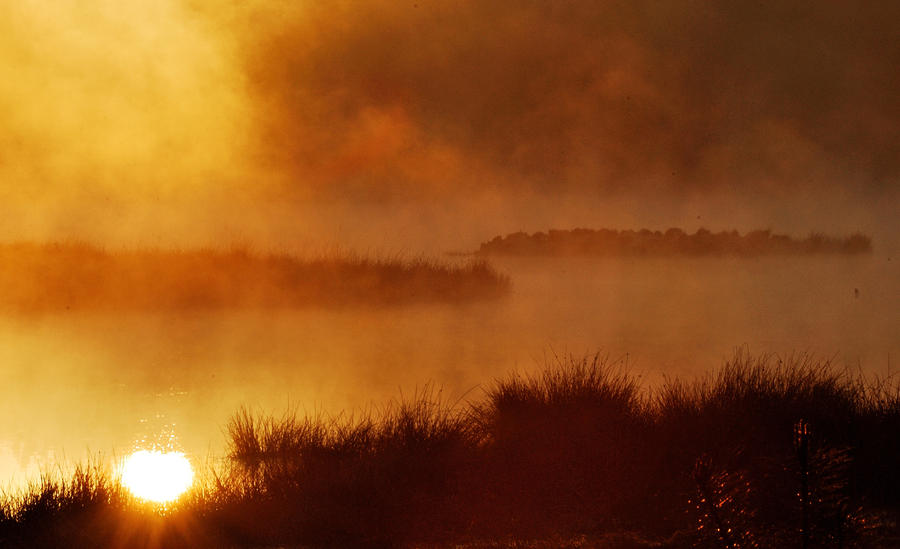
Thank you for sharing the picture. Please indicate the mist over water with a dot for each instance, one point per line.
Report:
(83, 383)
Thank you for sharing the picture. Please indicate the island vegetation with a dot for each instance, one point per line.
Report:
(80, 276)
(764, 452)
(674, 241)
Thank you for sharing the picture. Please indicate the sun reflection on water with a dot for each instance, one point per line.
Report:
(157, 476)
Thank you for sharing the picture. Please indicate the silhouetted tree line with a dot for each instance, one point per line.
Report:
(671, 242)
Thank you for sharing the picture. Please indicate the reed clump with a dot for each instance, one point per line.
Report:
(547, 441)
(78, 276)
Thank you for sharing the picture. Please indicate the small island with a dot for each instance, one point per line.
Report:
(674, 241)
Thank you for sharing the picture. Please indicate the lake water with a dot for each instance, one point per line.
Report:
(73, 385)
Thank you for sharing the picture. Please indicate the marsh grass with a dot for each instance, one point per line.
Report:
(78, 276)
(579, 453)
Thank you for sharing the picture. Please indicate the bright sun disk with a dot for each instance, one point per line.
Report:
(157, 476)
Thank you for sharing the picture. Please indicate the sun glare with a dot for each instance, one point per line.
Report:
(157, 476)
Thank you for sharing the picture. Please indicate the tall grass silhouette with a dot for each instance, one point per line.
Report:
(560, 445)
(64, 276)
(372, 479)
(764, 452)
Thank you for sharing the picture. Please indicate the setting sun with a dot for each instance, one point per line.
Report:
(157, 476)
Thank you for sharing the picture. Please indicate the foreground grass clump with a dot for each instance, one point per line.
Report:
(374, 479)
(58, 276)
(761, 453)
(672, 242)
(749, 421)
(548, 447)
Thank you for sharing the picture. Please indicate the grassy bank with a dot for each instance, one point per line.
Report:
(761, 453)
(53, 277)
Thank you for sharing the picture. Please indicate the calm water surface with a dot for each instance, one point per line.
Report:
(73, 385)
